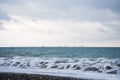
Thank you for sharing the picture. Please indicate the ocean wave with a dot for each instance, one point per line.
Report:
(99, 65)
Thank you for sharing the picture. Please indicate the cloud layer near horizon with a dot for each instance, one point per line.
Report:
(58, 23)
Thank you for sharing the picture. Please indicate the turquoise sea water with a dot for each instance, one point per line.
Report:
(66, 52)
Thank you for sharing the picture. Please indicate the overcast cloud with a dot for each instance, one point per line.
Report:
(59, 22)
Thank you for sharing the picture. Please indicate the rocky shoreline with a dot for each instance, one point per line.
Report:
(24, 76)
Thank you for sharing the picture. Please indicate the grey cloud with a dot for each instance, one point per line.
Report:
(4, 16)
(112, 31)
(87, 10)
(12, 1)
(102, 30)
(111, 4)
(1, 26)
(76, 10)
(114, 27)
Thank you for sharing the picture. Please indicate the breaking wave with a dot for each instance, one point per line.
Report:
(99, 65)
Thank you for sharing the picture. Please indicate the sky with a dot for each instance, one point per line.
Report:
(92, 23)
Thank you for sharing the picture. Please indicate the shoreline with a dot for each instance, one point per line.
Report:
(35, 68)
(36, 74)
(26, 76)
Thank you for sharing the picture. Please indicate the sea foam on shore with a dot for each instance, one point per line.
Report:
(90, 68)
(100, 65)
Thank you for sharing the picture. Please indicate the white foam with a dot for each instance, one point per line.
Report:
(103, 64)
(63, 66)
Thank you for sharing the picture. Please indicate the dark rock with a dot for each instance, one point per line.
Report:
(25, 65)
(28, 64)
(43, 63)
(91, 69)
(43, 66)
(100, 71)
(76, 67)
(5, 64)
(16, 63)
(108, 67)
(118, 65)
(22, 66)
(61, 68)
(112, 72)
(68, 66)
(55, 66)
(62, 61)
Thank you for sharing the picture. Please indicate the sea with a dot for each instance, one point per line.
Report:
(64, 60)
(63, 52)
